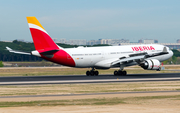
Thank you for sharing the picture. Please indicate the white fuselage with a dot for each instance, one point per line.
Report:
(92, 56)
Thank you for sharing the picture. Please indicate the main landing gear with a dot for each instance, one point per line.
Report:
(92, 72)
(120, 72)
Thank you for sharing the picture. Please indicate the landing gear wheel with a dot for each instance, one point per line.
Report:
(115, 73)
(87, 73)
(120, 72)
(124, 73)
(92, 73)
(96, 73)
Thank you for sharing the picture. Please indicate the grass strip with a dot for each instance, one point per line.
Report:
(156, 97)
(94, 101)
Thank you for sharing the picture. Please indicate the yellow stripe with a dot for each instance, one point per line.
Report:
(33, 20)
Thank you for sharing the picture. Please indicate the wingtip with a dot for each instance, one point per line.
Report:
(8, 48)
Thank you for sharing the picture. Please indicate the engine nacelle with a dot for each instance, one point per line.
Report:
(151, 64)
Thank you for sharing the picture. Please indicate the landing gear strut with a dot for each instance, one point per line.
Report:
(120, 72)
(92, 72)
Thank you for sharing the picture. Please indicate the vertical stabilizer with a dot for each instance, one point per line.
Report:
(41, 38)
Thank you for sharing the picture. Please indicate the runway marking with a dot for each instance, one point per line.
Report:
(88, 81)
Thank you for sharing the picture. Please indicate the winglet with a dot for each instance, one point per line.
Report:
(8, 48)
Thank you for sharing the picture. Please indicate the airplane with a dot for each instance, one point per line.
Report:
(147, 56)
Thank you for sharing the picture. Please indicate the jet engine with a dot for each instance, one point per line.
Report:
(151, 64)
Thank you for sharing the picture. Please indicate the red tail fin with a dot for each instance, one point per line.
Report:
(41, 38)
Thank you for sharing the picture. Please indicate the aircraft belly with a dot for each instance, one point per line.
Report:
(86, 61)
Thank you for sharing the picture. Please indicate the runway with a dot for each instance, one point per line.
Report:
(76, 79)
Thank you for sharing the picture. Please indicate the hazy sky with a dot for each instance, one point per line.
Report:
(93, 19)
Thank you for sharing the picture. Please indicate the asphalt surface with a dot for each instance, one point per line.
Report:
(69, 79)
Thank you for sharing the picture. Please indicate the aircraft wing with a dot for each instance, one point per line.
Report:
(157, 54)
(136, 57)
(139, 57)
(106, 64)
(18, 52)
(129, 59)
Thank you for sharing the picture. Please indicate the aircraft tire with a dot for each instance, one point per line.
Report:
(92, 73)
(96, 73)
(87, 73)
(115, 73)
(124, 73)
(120, 73)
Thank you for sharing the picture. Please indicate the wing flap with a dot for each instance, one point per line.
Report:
(128, 59)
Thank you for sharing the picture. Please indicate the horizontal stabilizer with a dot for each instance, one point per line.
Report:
(49, 52)
(18, 52)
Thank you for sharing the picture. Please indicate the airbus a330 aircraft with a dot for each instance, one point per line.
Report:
(148, 56)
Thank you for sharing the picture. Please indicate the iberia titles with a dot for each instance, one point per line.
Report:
(143, 48)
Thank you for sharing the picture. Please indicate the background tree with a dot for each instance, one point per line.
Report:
(1, 64)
